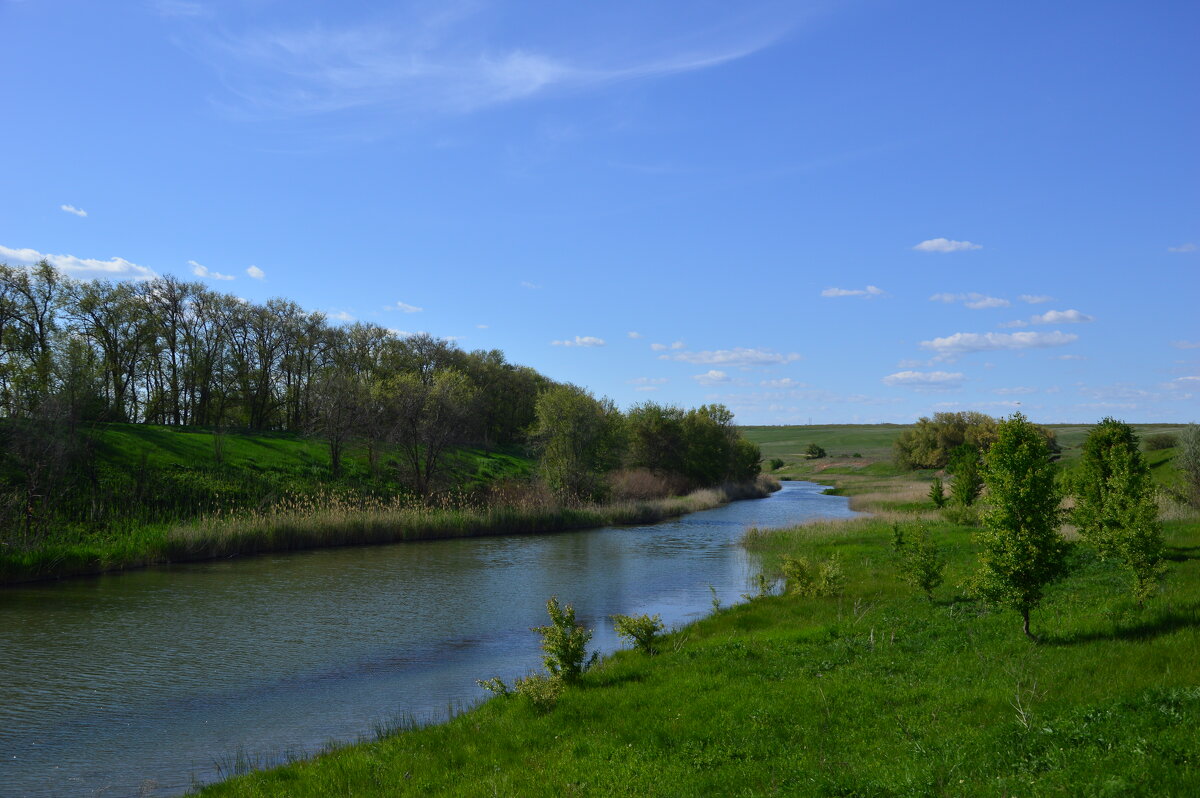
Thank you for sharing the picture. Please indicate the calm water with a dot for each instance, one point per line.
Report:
(146, 682)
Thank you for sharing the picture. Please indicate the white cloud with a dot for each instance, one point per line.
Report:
(711, 377)
(786, 382)
(963, 343)
(1176, 344)
(868, 292)
(633, 334)
(436, 59)
(580, 340)
(1062, 317)
(1016, 390)
(82, 268)
(202, 271)
(738, 357)
(649, 381)
(73, 209)
(1014, 323)
(1070, 357)
(256, 273)
(973, 300)
(339, 315)
(529, 285)
(1035, 299)
(664, 347)
(925, 380)
(945, 245)
(481, 326)
(1188, 247)
(404, 307)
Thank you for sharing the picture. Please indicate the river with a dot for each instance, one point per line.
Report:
(148, 682)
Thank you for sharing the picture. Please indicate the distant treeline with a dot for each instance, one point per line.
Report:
(168, 352)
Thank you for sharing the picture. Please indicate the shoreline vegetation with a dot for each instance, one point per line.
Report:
(847, 672)
(333, 520)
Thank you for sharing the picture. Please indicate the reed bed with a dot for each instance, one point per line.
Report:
(343, 519)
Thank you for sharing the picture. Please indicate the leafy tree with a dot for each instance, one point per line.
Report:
(931, 440)
(579, 439)
(657, 439)
(814, 452)
(1021, 551)
(426, 417)
(1115, 509)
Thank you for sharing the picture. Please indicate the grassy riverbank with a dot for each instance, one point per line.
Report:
(324, 521)
(878, 692)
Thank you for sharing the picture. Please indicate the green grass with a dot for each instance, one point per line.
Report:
(876, 693)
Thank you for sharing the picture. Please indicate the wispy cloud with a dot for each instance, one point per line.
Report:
(633, 334)
(1188, 247)
(946, 245)
(83, 268)
(665, 347)
(438, 59)
(738, 357)
(529, 285)
(1062, 317)
(1016, 390)
(203, 271)
(404, 307)
(867, 293)
(580, 340)
(973, 300)
(74, 210)
(711, 377)
(339, 315)
(1035, 299)
(256, 273)
(179, 8)
(481, 326)
(964, 343)
(1176, 344)
(925, 380)
(785, 382)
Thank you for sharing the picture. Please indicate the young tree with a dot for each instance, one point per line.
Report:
(937, 493)
(1115, 509)
(1021, 551)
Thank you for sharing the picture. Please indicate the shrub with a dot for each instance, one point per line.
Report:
(564, 642)
(937, 493)
(921, 562)
(968, 481)
(814, 452)
(814, 578)
(1188, 460)
(1159, 441)
(776, 463)
(541, 690)
(640, 630)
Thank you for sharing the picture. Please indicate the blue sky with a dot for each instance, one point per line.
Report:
(836, 212)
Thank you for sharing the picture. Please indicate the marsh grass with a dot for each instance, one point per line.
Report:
(342, 518)
(878, 692)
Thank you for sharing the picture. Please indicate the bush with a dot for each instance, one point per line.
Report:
(542, 691)
(1159, 441)
(564, 643)
(921, 562)
(808, 578)
(776, 463)
(937, 493)
(640, 630)
(814, 452)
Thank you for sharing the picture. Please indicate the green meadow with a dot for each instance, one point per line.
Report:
(876, 691)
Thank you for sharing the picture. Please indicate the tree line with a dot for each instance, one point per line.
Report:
(176, 353)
